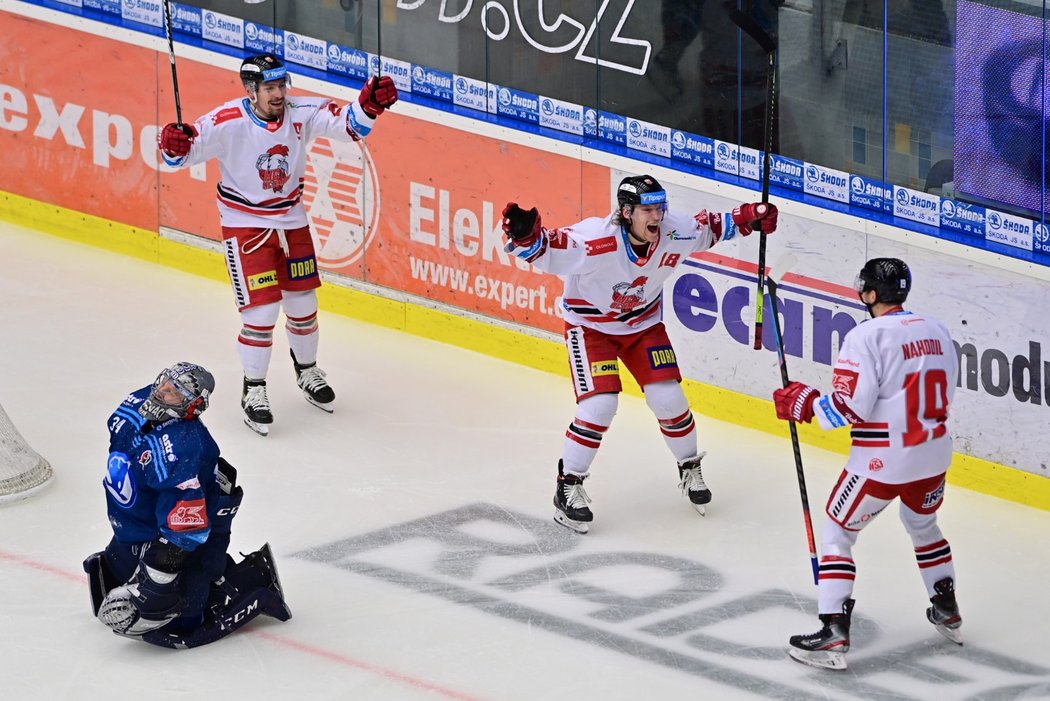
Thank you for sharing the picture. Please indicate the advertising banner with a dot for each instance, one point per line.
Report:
(415, 208)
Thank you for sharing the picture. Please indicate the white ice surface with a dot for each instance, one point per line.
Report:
(655, 603)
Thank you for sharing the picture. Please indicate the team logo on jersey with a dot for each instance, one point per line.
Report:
(146, 458)
(119, 481)
(298, 126)
(273, 168)
(845, 381)
(188, 515)
(342, 200)
(876, 464)
(627, 296)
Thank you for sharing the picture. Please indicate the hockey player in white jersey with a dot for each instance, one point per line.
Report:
(893, 384)
(261, 141)
(614, 268)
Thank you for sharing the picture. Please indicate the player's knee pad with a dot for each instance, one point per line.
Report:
(598, 409)
(262, 316)
(299, 303)
(837, 540)
(666, 399)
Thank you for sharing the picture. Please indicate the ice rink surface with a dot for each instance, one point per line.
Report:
(413, 532)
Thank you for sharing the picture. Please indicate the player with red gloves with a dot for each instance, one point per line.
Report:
(894, 382)
(614, 268)
(261, 140)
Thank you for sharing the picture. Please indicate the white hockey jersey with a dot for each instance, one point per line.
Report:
(610, 288)
(894, 382)
(263, 164)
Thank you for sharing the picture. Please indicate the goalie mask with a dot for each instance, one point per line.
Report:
(179, 392)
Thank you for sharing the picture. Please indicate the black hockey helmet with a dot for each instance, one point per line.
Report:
(194, 385)
(261, 68)
(640, 189)
(889, 277)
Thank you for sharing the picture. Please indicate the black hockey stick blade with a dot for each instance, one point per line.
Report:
(749, 25)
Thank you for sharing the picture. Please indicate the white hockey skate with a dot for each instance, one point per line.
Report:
(692, 484)
(311, 380)
(570, 502)
(256, 405)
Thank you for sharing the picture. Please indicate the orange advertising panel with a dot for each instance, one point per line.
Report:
(415, 207)
(76, 116)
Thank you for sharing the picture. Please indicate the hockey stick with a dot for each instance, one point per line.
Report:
(785, 381)
(171, 56)
(769, 45)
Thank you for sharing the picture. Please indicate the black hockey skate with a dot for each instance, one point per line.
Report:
(570, 502)
(693, 485)
(827, 647)
(944, 614)
(311, 380)
(256, 405)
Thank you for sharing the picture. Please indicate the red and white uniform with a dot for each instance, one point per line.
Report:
(608, 286)
(263, 164)
(894, 382)
(265, 230)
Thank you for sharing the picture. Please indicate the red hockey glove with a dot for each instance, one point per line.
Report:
(377, 95)
(755, 216)
(795, 402)
(521, 226)
(175, 140)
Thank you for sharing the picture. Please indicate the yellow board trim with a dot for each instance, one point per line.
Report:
(542, 354)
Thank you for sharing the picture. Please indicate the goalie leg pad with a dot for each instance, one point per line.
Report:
(100, 580)
(237, 613)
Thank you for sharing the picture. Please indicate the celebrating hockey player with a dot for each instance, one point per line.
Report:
(614, 269)
(165, 577)
(893, 384)
(261, 141)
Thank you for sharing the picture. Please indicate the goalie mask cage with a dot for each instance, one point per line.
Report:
(23, 472)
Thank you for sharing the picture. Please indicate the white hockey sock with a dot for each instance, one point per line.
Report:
(594, 414)
(668, 403)
(300, 309)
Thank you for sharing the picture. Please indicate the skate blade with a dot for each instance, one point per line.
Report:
(952, 634)
(327, 408)
(821, 659)
(700, 509)
(261, 429)
(578, 526)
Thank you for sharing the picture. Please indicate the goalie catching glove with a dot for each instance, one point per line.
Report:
(756, 216)
(795, 402)
(150, 599)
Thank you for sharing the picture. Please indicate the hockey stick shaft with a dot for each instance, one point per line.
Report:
(785, 380)
(171, 56)
(769, 46)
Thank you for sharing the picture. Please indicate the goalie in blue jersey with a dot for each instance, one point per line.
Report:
(165, 577)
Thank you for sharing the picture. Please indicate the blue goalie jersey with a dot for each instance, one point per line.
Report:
(161, 478)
